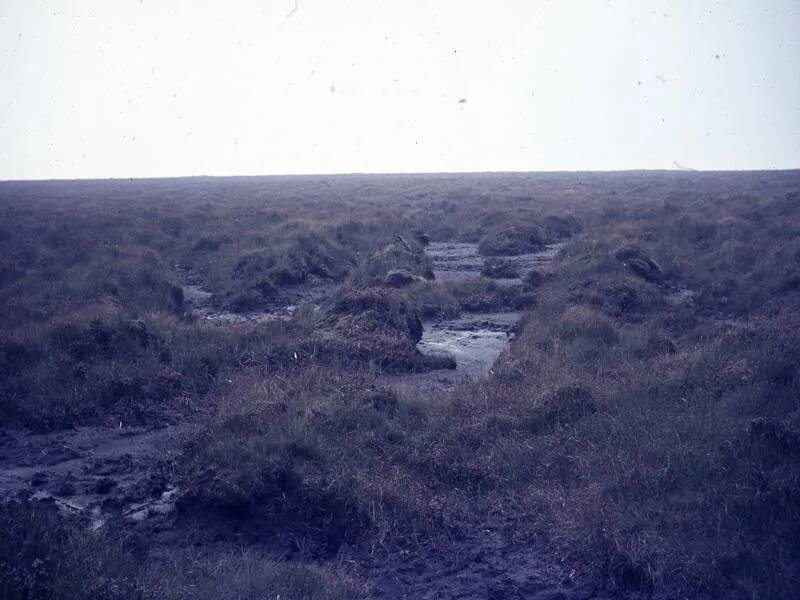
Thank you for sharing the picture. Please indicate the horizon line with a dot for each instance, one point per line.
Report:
(397, 173)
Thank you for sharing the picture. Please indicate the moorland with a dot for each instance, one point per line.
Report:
(227, 387)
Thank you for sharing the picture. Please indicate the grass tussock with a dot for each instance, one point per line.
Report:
(41, 557)
(245, 576)
(44, 557)
(499, 269)
(306, 451)
(398, 264)
(511, 241)
(99, 366)
(249, 278)
(450, 298)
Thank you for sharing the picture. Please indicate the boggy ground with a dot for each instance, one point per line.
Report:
(638, 438)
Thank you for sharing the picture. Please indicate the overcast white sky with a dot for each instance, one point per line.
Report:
(113, 88)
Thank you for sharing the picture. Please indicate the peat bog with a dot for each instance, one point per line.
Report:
(519, 385)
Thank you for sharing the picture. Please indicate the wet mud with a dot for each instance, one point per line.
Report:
(456, 261)
(480, 564)
(198, 301)
(94, 472)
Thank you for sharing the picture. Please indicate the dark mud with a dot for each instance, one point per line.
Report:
(95, 472)
(483, 564)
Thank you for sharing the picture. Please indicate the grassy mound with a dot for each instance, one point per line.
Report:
(300, 451)
(256, 276)
(499, 269)
(377, 326)
(511, 242)
(403, 261)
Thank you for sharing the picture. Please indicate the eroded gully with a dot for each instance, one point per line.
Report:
(98, 471)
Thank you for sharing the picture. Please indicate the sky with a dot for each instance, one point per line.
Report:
(147, 88)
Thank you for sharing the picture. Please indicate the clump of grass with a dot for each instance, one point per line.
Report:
(303, 450)
(98, 366)
(561, 227)
(432, 300)
(639, 263)
(586, 325)
(251, 278)
(404, 258)
(375, 309)
(482, 294)
(377, 327)
(499, 269)
(244, 576)
(44, 556)
(511, 242)
(566, 405)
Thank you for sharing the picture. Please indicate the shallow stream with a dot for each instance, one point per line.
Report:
(475, 340)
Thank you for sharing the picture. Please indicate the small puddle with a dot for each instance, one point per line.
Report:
(475, 340)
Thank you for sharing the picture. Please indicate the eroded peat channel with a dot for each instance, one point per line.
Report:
(102, 472)
(474, 338)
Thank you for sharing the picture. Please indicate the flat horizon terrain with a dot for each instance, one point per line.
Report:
(490, 173)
